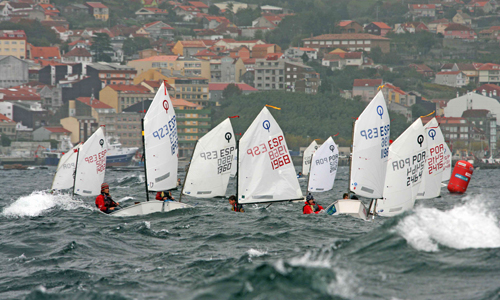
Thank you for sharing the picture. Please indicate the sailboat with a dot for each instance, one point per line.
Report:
(90, 165)
(370, 149)
(306, 158)
(159, 132)
(447, 164)
(265, 169)
(324, 165)
(212, 163)
(63, 179)
(405, 171)
(435, 161)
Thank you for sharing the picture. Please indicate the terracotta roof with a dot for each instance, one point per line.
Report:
(381, 25)
(367, 82)
(217, 19)
(19, 94)
(263, 46)
(489, 66)
(423, 6)
(489, 87)
(182, 102)
(466, 67)
(159, 58)
(249, 61)
(4, 119)
(78, 52)
(344, 23)
(449, 73)
(133, 89)
(272, 19)
(57, 129)
(457, 27)
(45, 52)
(193, 44)
(205, 52)
(305, 49)
(347, 36)
(422, 67)
(198, 4)
(188, 8)
(353, 55)
(95, 103)
(96, 5)
(222, 86)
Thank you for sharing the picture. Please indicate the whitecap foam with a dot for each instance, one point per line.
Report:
(255, 253)
(469, 225)
(38, 202)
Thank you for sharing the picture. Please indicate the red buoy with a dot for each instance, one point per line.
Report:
(460, 177)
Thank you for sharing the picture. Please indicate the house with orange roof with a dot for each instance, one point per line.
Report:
(211, 22)
(366, 88)
(422, 10)
(98, 10)
(77, 55)
(50, 53)
(489, 73)
(458, 31)
(486, 6)
(489, 89)
(187, 12)
(188, 48)
(159, 29)
(262, 50)
(205, 54)
(377, 28)
(199, 5)
(240, 52)
(150, 12)
(349, 26)
(422, 69)
(492, 33)
(7, 126)
(410, 27)
(49, 10)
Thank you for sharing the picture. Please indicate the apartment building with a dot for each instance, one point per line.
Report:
(194, 89)
(121, 96)
(98, 10)
(301, 78)
(13, 42)
(113, 73)
(351, 42)
(269, 74)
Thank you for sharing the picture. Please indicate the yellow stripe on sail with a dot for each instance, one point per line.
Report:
(273, 107)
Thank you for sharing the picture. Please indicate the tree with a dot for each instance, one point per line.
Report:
(231, 90)
(101, 44)
(258, 35)
(304, 57)
(133, 45)
(5, 141)
(213, 10)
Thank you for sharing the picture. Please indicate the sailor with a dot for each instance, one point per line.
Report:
(164, 196)
(104, 201)
(234, 204)
(345, 196)
(179, 182)
(299, 175)
(310, 205)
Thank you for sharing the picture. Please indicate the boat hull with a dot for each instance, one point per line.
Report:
(150, 207)
(120, 160)
(354, 208)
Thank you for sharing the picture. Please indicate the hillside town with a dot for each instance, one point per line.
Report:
(68, 67)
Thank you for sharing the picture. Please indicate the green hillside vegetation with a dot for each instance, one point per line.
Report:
(302, 117)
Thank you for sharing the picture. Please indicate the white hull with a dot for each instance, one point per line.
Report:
(150, 207)
(354, 208)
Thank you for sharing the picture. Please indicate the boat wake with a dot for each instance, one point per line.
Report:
(39, 202)
(465, 226)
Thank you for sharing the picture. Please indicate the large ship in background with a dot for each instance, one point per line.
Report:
(118, 156)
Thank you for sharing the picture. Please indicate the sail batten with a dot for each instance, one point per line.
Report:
(265, 168)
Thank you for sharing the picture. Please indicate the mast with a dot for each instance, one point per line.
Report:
(350, 161)
(144, 156)
(185, 177)
(237, 167)
(76, 168)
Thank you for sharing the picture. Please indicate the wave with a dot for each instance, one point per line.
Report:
(39, 202)
(468, 225)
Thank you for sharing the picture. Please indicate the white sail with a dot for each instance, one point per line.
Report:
(435, 161)
(324, 167)
(91, 165)
(212, 163)
(265, 169)
(370, 149)
(65, 170)
(447, 163)
(306, 159)
(161, 145)
(405, 170)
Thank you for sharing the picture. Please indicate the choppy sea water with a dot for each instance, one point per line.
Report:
(56, 247)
